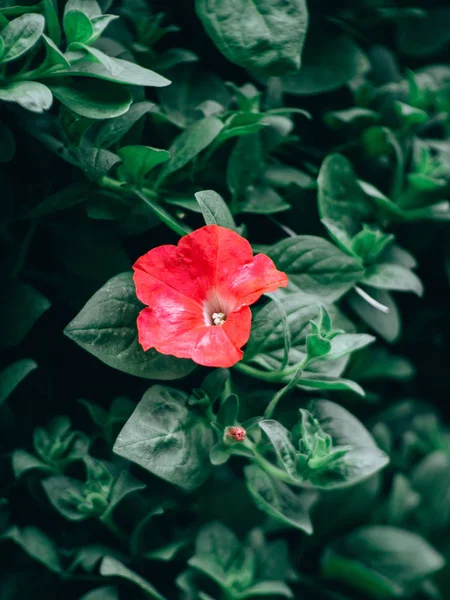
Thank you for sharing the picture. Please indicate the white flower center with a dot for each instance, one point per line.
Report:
(218, 318)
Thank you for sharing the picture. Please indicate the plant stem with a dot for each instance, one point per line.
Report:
(285, 390)
(271, 376)
(108, 522)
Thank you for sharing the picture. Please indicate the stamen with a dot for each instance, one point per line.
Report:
(218, 318)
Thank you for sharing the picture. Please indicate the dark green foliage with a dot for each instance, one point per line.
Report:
(318, 466)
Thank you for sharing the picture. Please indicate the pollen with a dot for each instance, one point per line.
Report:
(218, 318)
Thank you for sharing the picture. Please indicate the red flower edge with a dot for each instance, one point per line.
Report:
(198, 295)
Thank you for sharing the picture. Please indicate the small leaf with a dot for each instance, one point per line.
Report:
(280, 439)
(387, 276)
(13, 375)
(166, 438)
(94, 99)
(119, 70)
(138, 161)
(214, 209)
(106, 327)
(364, 559)
(279, 501)
(316, 267)
(114, 129)
(32, 95)
(266, 37)
(361, 461)
(319, 74)
(37, 545)
(111, 567)
(106, 592)
(20, 35)
(77, 27)
(191, 142)
(96, 162)
(23, 461)
(23, 305)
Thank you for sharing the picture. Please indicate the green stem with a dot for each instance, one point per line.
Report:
(285, 390)
(273, 470)
(120, 187)
(399, 171)
(271, 376)
(108, 522)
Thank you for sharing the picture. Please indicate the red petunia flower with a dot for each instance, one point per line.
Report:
(198, 295)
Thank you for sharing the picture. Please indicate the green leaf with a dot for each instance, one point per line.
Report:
(13, 375)
(281, 441)
(106, 327)
(430, 478)
(319, 74)
(54, 55)
(100, 23)
(341, 201)
(267, 340)
(114, 129)
(23, 305)
(191, 142)
(77, 27)
(261, 36)
(351, 119)
(216, 549)
(244, 164)
(426, 35)
(191, 87)
(263, 200)
(167, 438)
(387, 276)
(96, 162)
(381, 561)
(90, 8)
(346, 343)
(315, 267)
(388, 325)
(111, 567)
(316, 346)
(52, 21)
(214, 209)
(329, 382)
(138, 161)
(106, 592)
(37, 545)
(361, 461)
(23, 461)
(32, 95)
(267, 588)
(228, 411)
(279, 501)
(66, 494)
(124, 485)
(20, 35)
(94, 99)
(119, 71)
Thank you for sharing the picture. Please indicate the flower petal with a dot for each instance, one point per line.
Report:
(161, 271)
(213, 255)
(173, 324)
(215, 349)
(237, 326)
(255, 279)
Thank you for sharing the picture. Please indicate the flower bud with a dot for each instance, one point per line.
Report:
(237, 434)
